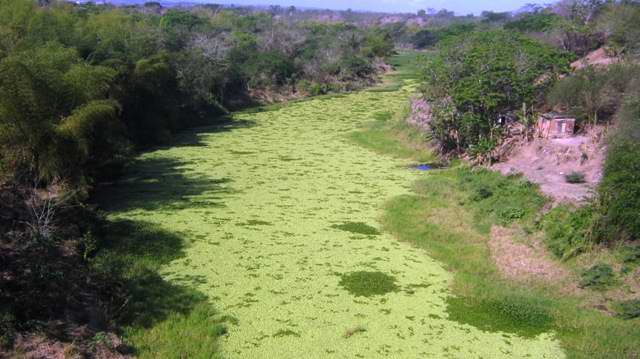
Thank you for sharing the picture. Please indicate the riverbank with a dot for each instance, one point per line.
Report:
(453, 214)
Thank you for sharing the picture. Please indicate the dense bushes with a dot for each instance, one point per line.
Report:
(594, 95)
(534, 22)
(568, 230)
(619, 192)
(622, 28)
(477, 79)
(612, 217)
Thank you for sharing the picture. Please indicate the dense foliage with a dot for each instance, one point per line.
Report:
(593, 95)
(534, 22)
(619, 192)
(82, 85)
(478, 79)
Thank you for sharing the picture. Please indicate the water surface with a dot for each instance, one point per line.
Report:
(279, 207)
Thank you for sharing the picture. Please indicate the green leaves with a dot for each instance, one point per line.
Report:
(87, 82)
(485, 75)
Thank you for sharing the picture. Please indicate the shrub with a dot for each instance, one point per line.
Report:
(481, 193)
(424, 38)
(510, 214)
(568, 230)
(534, 22)
(591, 94)
(7, 329)
(619, 191)
(574, 177)
(597, 277)
(628, 309)
(631, 255)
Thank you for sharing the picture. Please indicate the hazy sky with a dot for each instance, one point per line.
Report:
(461, 7)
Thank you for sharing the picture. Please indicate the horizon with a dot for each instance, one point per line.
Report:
(460, 7)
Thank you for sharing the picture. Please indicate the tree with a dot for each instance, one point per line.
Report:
(621, 26)
(495, 17)
(478, 78)
(100, 137)
(534, 22)
(424, 38)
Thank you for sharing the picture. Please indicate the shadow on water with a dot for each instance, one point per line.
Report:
(161, 184)
(193, 137)
(132, 253)
(155, 313)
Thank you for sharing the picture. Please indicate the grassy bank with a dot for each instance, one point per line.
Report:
(450, 215)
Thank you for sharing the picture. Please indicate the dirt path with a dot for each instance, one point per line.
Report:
(272, 207)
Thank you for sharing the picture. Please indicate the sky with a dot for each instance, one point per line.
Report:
(461, 7)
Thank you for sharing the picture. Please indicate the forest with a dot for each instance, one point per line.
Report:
(215, 181)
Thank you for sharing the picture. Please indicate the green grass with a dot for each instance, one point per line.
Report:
(406, 68)
(566, 230)
(397, 139)
(495, 199)
(449, 215)
(522, 315)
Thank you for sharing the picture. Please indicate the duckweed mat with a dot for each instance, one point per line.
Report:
(280, 212)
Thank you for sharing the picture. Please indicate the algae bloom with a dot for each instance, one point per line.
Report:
(281, 217)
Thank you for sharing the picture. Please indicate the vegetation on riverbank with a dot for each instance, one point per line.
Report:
(490, 83)
(450, 214)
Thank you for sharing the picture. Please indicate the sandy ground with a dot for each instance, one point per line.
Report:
(547, 161)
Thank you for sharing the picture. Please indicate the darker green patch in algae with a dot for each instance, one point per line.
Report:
(357, 227)
(253, 222)
(286, 333)
(368, 284)
(242, 153)
(519, 315)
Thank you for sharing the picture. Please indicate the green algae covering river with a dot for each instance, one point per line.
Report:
(281, 212)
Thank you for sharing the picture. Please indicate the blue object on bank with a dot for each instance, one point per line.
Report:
(423, 167)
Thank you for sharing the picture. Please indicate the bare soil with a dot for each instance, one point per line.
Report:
(523, 260)
(546, 162)
(598, 58)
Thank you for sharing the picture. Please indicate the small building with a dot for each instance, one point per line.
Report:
(554, 125)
